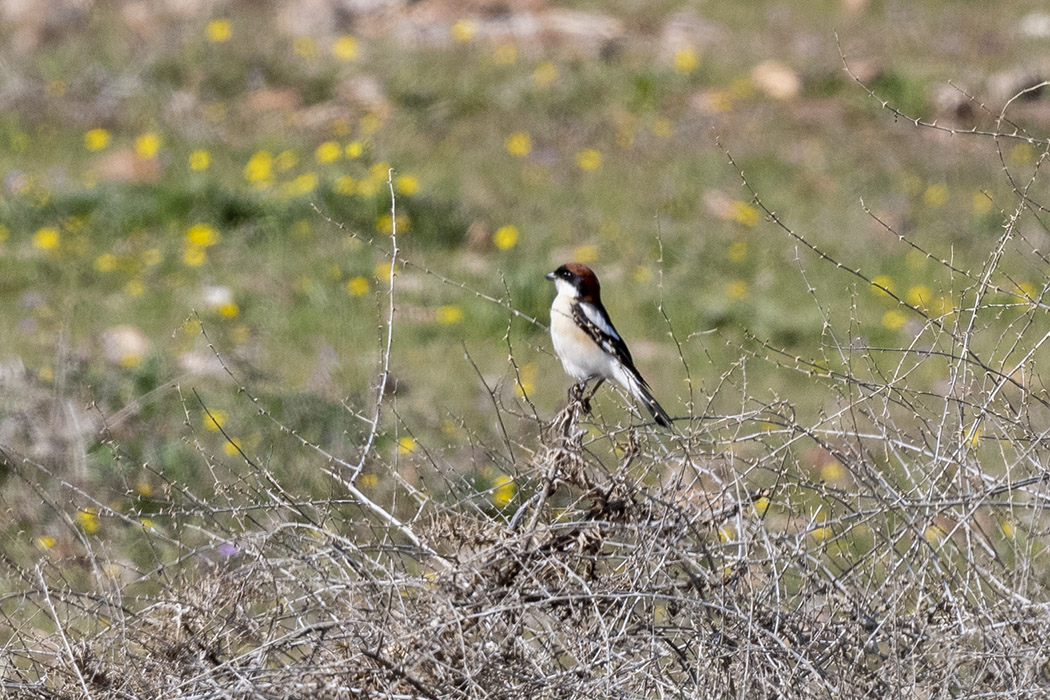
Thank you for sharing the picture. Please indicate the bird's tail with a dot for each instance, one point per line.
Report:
(641, 392)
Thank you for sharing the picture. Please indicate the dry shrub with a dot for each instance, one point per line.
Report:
(892, 544)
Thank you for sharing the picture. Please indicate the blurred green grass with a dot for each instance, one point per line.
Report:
(116, 148)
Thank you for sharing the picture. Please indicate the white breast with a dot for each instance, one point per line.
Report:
(581, 357)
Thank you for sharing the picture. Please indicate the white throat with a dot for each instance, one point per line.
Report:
(566, 289)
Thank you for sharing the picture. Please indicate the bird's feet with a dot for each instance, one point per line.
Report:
(576, 396)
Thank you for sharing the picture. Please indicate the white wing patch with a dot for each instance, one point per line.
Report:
(599, 319)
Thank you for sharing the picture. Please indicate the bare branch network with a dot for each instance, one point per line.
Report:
(613, 560)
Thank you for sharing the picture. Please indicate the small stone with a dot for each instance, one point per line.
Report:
(776, 80)
(124, 345)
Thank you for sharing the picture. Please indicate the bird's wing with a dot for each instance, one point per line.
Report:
(594, 321)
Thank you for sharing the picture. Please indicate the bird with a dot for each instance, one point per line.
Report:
(587, 343)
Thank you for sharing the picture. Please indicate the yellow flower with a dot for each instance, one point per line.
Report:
(107, 262)
(87, 519)
(259, 168)
(304, 46)
(642, 274)
(726, 533)
(526, 379)
(406, 184)
(464, 30)
(449, 315)
(504, 491)
(46, 238)
(304, 184)
(367, 188)
(744, 213)
(368, 481)
(218, 31)
(662, 128)
(686, 60)
(371, 123)
(736, 289)
(45, 542)
(134, 288)
(345, 48)
(915, 260)
(240, 334)
(286, 160)
(214, 419)
(919, 296)
(5, 233)
(761, 505)
(406, 445)
(328, 152)
(881, 285)
(379, 171)
(821, 534)
(130, 360)
(1007, 528)
(354, 149)
(385, 224)
(151, 257)
(382, 271)
(357, 286)
(976, 435)
(202, 236)
(232, 447)
(585, 253)
(228, 310)
(737, 251)
(96, 139)
(519, 144)
(200, 160)
(301, 228)
(832, 471)
(935, 534)
(505, 237)
(1028, 290)
(505, 55)
(1022, 154)
(935, 196)
(894, 319)
(589, 159)
(147, 145)
(194, 256)
(73, 224)
(545, 73)
(345, 185)
(981, 203)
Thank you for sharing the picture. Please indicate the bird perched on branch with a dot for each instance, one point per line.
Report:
(587, 343)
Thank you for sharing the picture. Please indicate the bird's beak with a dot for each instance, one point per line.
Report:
(550, 276)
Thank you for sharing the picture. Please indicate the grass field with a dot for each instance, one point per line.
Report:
(836, 288)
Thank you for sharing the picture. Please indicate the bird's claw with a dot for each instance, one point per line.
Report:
(576, 392)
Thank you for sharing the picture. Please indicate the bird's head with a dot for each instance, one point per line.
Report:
(576, 280)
